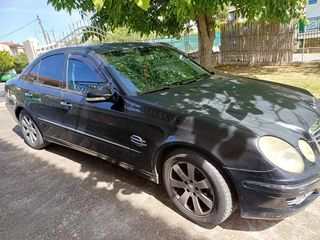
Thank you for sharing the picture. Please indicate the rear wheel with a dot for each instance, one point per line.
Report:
(30, 131)
(197, 188)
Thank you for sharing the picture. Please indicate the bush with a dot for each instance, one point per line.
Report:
(6, 62)
(20, 62)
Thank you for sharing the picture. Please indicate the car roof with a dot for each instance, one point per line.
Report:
(103, 48)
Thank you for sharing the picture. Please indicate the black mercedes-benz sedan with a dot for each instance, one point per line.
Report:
(214, 141)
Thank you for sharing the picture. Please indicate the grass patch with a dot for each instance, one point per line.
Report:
(306, 76)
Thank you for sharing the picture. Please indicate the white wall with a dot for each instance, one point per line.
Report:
(31, 47)
(313, 10)
(5, 48)
(14, 51)
(20, 50)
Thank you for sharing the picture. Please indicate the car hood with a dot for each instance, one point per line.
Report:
(248, 103)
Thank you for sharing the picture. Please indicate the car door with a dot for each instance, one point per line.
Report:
(97, 127)
(149, 129)
(43, 95)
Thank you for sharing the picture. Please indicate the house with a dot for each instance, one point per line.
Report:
(13, 48)
(313, 9)
(234, 15)
(313, 14)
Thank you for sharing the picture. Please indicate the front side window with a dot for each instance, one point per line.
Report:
(82, 77)
(151, 68)
(51, 70)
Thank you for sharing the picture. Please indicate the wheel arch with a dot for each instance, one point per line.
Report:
(216, 162)
(18, 111)
(163, 152)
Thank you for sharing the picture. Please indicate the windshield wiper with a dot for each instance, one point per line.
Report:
(194, 79)
(156, 90)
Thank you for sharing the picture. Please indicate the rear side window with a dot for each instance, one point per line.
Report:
(34, 73)
(24, 75)
(51, 70)
(82, 77)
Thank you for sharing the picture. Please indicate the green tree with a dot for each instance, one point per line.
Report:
(170, 18)
(20, 62)
(121, 34)
(6, 62)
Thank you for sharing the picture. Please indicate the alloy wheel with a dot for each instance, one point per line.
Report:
(29, 129)
(192, 188)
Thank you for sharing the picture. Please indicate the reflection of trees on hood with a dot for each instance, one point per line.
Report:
(239, 101)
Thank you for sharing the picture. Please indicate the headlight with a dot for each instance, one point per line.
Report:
(307, 150)
(281, 154)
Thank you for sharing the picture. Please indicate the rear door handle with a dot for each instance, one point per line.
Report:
(66, 104)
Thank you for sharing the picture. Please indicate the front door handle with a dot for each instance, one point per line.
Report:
(66, 104)
(137, 140)
(27, 94)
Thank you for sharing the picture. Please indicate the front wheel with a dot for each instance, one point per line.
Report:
(197, 188)
(30, 131)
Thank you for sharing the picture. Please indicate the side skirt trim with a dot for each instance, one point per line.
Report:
(89, 135)
(141, 172)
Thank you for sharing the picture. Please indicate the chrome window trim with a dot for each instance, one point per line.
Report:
(89, 135)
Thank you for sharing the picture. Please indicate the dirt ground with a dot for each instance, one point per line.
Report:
(306, 76)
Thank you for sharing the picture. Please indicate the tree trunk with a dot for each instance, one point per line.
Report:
(206, 34)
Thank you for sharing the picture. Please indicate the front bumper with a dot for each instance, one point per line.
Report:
(262, 200)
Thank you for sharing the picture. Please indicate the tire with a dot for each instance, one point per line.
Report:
(208, 184)
(30, 131)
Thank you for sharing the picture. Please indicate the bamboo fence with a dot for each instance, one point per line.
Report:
(256, 43)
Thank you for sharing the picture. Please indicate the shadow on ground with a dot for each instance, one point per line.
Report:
(310, 68)
(113, 196)
(301, 75)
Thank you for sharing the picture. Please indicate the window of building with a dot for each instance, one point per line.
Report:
(312, 2)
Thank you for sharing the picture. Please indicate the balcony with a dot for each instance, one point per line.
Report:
(314, 23)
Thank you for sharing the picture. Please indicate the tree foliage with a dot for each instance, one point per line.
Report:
(170, 18)
(6, 62)
(121, 34)
(20, 62)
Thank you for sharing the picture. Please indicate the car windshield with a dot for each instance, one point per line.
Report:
(153, 68)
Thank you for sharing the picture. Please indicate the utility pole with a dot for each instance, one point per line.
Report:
(54, 36)
(43, 32)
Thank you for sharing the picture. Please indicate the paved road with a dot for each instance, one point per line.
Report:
(2, 93)
(307, 57)
(59, 193)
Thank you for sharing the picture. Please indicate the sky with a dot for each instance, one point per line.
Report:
(17, 13)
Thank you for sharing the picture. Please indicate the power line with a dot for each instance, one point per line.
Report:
(8, 34)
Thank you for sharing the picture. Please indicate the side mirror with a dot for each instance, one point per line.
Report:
(103, 94)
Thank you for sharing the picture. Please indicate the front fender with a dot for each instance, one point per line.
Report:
(228, 146)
